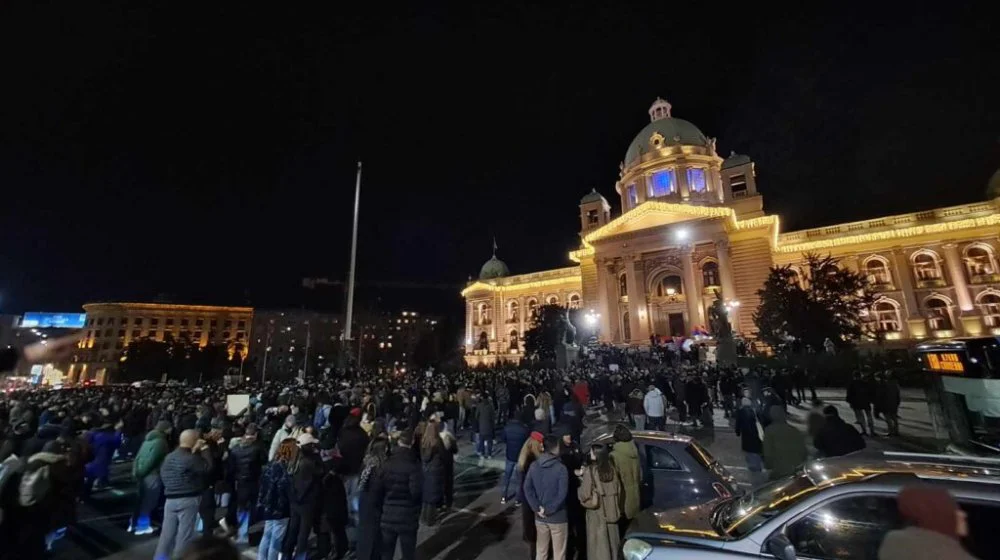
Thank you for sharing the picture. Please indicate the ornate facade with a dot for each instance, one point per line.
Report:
(693, 224)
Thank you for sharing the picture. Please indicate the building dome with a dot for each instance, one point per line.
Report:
(735, 159)
(593, 196)
(494, 268)
(670, 130)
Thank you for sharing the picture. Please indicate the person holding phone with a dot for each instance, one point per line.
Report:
(184, 474)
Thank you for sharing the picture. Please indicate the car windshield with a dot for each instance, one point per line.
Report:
(742, 515)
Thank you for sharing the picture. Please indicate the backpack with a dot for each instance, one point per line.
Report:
(10, 475)
(36, 487)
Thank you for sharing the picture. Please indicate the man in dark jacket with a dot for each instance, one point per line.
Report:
(247, 457)
(696, 395)
(545, 488)
(353, 442)
(515, 433)
(305, 498)
(183, 473)
(747, 428)
(860, 395)
(837, 437)
(400, 489)
(146, 471)
(486, 419)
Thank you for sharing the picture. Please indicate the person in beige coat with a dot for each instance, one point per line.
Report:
(602, 496)
(935, 525)
(625, 455)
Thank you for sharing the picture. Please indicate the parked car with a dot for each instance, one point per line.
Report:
(676, 469)
(831, 508)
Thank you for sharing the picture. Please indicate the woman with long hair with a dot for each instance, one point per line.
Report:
(432, 457)
(369, 506)
(545, 404)
(603, 497)
(274, 498)
(530, 451)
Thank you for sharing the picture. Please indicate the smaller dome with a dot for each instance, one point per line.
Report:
(993, 186)
(735, 159)
(593, 196)
(494, 268)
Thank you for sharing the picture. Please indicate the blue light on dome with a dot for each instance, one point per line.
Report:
(663, 183)
(696, 179)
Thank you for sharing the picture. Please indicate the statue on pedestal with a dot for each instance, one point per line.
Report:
(567, 351)
(718, 320)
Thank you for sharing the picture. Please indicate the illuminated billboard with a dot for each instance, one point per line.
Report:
(42, 320)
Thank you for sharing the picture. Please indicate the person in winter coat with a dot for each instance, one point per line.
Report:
(655, 408)
(283, 433)
(183, 473)
(369, 538)
(352, 442)
(784, 446)
(530, 452)
(432, 454)
(542, 423)
(545, 489)
(696, 396)
(935, 527)
(247, 458)
(450, 444)
(103, 443)
(515, 433)
(888, 399)
(486, 418)
(626, 458)
(747, 427)
(400, 488)
(837, 437)
(333, 515)
(679, 386)
(47, 432)
(307, 479)
(601, 495)
(636, 410)
(146, 471)
(860, 395)
(582, 392)
(273, 500)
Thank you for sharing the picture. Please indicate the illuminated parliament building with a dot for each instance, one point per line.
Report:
(693, 224)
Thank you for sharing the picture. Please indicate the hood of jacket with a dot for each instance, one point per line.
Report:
(548, 461)
(154, 435)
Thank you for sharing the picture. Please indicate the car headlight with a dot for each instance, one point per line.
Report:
(635, 549)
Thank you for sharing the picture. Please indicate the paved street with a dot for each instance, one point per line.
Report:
(480, 527)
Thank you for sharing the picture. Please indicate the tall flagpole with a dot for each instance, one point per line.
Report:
(354, 256)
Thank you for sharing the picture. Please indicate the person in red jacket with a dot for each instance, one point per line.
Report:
(582, 392)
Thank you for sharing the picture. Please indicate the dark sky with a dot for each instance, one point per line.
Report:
(209, 153)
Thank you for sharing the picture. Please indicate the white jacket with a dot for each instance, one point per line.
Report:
(653, 403)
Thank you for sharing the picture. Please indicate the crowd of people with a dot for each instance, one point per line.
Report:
(355, 462)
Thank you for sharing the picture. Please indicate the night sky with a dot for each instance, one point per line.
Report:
(210, 154)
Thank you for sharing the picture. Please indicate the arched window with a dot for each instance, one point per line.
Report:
(989, 302)
(513, 311)
(669, 285)
(513, 340)
(484, 314)
(626, 329)
(927, 266)
(574, 301)
(938, 315)
(887, 316)
(622, 285)
(553, 300)
(710, 273)
(532, 309)
(877, 270)
(979, 261)
(795, 278)
(484, 342)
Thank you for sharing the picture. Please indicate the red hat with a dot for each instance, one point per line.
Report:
(355, 412)
(537, 436)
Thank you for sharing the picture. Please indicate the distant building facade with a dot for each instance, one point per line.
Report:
(693, 224)
(112, 326)
(289, 341)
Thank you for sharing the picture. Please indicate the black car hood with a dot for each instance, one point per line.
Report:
(688, 524)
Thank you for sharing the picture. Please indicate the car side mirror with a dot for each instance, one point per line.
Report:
(780, 547)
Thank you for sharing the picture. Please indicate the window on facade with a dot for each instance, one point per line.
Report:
(241, 325)
(670, 285)
(137, 321)
(738, 186)
(979, 261)
(710, 273)
(849, 528)
(213, 323)
(513, 340)
(227, 325)
(631, 196)
(696, 180)
(184, 322)
(532, 309)
(225, 335)
(938, 317)
(168, 336)
(574, 301)
(626, 329)
(136, 333)
(169, 322)
(512, 311)
(622, 286)
(887, 317)
(154, 321)
(926, 266)
(484, 314)
(794, 278)
(592, 217)
(100, 321)
(484, 342)
(199, 322)
(197, 335)
(663, 183)
(553, 300)
(990, 304)
(108, 332)
(878, 271)
(111, 321)
(121, 333)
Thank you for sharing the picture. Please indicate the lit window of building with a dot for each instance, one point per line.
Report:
(887, 316)
(663, 183)
(632, 197)
(696, 180)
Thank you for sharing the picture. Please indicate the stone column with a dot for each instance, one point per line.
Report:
(902, 277)
(725, 268)
(522, 314)
(691, 289)
(957, 273)
(635, 300)
(468, 326)
(603, 309)
(613, 318)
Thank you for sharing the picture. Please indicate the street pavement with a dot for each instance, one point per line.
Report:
(479, 526)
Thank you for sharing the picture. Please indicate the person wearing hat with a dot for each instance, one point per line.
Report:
(146, 472)
(935, 527)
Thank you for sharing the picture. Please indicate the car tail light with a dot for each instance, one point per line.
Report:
(721, 490)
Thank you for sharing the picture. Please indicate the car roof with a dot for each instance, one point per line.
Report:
(605, 430)
(869, 464)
